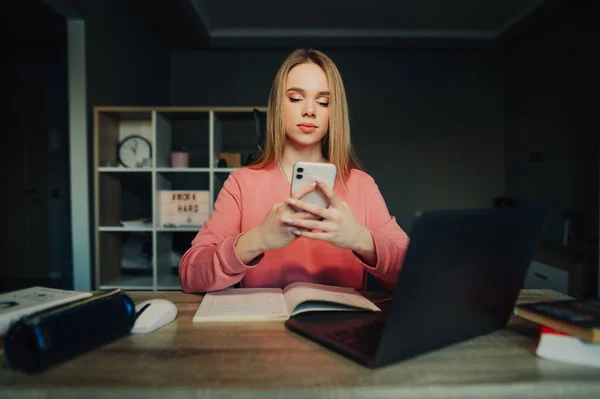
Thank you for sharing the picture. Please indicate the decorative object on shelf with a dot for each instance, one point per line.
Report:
(183, 208)
(135, 152)
(180, 159)
(232, 159)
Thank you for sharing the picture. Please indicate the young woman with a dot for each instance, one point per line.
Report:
(260, 236)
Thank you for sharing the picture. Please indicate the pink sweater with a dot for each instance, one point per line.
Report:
(247, 196)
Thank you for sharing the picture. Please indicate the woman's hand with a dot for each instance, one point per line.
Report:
(273, 232)
(337, 226)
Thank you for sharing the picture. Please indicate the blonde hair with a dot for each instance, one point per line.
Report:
(337, 144)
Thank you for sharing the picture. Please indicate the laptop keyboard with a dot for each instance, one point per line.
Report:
(363, 338)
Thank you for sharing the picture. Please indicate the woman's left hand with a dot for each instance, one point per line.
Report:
(338, 225)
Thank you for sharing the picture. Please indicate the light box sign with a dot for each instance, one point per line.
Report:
(183, 208)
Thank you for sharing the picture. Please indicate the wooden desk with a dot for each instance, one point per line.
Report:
(264, 360)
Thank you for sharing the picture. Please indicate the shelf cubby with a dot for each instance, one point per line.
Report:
(235, 132)
(171, 245)
(124, 196)
(126, 260)
(113, 127)
(183, 131)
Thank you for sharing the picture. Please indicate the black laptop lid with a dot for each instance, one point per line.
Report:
(461, 277)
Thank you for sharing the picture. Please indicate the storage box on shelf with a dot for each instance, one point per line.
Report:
(147, 213)
(562, 269)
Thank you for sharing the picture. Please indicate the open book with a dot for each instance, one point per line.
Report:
(257, 304)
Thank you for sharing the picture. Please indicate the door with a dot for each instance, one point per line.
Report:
(26, 242)
(34, 114)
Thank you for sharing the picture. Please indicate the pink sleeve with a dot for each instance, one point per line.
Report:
(211, 263)
(391, 242)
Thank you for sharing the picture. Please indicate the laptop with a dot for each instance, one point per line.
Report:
(460, 279)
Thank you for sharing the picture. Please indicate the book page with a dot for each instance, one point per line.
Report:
(324, 297)
(242, 304)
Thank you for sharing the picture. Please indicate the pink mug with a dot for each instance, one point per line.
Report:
(180, 159)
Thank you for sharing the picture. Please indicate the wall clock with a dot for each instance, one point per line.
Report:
(135, 152)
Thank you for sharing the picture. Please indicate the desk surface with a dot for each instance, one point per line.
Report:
(264, 360)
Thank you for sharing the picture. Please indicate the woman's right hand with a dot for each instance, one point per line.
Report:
(273, 232)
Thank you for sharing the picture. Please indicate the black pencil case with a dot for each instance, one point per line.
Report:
(41, 340)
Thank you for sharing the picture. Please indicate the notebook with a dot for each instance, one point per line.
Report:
(461, 277)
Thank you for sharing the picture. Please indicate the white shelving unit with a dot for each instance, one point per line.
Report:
(122, 193)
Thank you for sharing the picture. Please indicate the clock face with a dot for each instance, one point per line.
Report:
(135, 152)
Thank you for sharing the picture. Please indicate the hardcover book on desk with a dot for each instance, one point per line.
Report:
(579, 318)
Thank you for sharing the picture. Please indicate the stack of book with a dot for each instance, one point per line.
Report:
(569, 330)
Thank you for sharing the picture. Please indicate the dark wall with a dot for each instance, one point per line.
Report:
(551, 129)
(428, 126)
(126, 62)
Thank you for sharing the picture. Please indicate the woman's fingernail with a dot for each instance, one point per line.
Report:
(296, 231)
(291, 201)
(319, 180)
(287, 220)
(314, 184)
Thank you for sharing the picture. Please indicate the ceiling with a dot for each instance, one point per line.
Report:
(225, 24)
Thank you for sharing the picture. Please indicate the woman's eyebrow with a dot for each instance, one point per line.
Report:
(300, 90)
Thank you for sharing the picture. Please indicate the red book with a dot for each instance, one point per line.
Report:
(556, 345)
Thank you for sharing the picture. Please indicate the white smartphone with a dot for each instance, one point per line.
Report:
(307, 172)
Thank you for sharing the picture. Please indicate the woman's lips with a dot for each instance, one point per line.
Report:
(307, 127)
